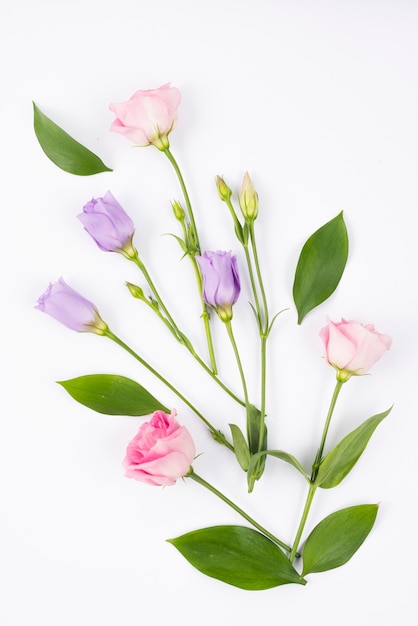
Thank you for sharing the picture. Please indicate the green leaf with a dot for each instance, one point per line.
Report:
(240, 446)
(279, 454)
(238, 556)
(320, 266)
(112, 395)
(334, 541)
(339, 462)
(253, 416)
(63, 150)
(254, 423)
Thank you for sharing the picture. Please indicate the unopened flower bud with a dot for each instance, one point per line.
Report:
(178, 211)
(67, 306)
(248, 199)
(223, 190)
(221, 283)
(136, 291)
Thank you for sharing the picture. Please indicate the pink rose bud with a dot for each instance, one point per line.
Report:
(221, 284)
(147, 117)
(353, 348)
(108, 224)
(71, 309)
(161, 452)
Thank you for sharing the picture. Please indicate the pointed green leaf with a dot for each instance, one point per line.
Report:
(240, 446)
(63, 150)
(278, 454)
(334, 541)
(112, 395)
(253, 416)
(254, 423)
(339, 462)
(320, 266)
(238, 556)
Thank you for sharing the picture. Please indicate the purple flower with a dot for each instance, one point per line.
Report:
(221, 284)
(71, 309)
(109, 225)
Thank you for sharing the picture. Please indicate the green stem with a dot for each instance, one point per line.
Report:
(259, 277)
(157, 296)
(315, 468)
(243, 382)
(205, 313)
(206, 318)
(318, 458)
(263, 392)
(264, 333)
(310, 496)
(174, 329)
(216, 433)
(236, 508)
(238, 360)
(254, 287)
(174, 163)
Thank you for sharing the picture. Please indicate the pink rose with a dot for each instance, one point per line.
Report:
(161, 452)
(148, 116)
(353, 348)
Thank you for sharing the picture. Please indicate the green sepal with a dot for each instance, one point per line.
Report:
(112, 395)
(338, 463)
(278, 454)
(63, 150)
(238, 556)
(334, 540)
(320, 266)
(240, 446)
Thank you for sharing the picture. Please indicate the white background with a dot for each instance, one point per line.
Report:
(318, 101)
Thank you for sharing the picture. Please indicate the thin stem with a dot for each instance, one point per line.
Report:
(236, 508)
(315, 467)
(304, 517)
(216, 433)
(205, 313)
(264, 333)
(157, 296)
(243, 382)
(174, 163)
(253, 286)
(259, 277)
(238, 360)
(318, 458)
(206, 318)
(263, 392)
(174, 329)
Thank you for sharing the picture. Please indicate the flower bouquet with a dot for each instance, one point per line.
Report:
(163, 451)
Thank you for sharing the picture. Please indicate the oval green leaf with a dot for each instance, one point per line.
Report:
(237, 555)
(321, 265)
(112, 395)
(63, 150)
(339, 462)
(334, 540)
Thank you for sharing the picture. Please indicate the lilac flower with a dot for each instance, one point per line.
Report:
(108, 224)
(71, 309)
(221, 284)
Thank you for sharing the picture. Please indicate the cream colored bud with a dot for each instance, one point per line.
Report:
(248, 198)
